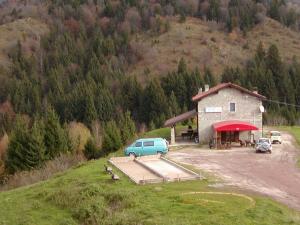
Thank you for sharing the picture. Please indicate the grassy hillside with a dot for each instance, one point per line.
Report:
(26, 30)
(87, 195)
(166, 132)
(201, 43)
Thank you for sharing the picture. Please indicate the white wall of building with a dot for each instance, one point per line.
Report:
(247, 110)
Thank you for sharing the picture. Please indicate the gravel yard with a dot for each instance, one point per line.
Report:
(275, 175)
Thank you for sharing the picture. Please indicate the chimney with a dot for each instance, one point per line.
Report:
(206, 87)
(200, 91)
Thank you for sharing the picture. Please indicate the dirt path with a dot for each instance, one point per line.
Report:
(275, 175)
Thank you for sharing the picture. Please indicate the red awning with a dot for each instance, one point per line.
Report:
(233, 125)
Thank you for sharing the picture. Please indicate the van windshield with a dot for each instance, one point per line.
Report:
(275, 134)
(138, 144)
(263, 141)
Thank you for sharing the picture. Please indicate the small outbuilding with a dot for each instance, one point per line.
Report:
(225, 113)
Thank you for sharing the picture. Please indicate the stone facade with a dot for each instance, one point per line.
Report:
(247, 109)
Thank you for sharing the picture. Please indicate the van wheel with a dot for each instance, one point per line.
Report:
(270, 151)
(132, 155)
(159, 153)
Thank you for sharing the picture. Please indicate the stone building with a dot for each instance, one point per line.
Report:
(225, 113)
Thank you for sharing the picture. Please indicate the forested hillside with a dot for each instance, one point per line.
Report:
(87, 65)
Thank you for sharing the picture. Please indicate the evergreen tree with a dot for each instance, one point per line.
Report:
(228, 75)
(17, 148)
(182, 67)
(174, 108)
(274, 9)
(105, 104)
(214, 10)
(260, 54)
(90, 113)
(193, 82)
(36, 144)
(269, 86)
(274, 62)
(90, 150)
(112, 138)
(275, 65)
(130, 96)
(209, 77)
(26, 147)
(127, 127)
(154, 103)
(94, 69)
(56, 137)
(294, 72)
(175, 82)
(151, 125)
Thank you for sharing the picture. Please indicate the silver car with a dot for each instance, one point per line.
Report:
(264, 145)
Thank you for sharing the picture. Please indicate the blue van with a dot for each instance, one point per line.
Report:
(147, 146)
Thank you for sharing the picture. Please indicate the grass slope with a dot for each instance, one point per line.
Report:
(166, 132)
(87, 195)
(201, 44)
(27, 29)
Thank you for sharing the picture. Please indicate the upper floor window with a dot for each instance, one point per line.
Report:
(232, 107)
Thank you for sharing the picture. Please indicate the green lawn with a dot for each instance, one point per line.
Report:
(87, 195)
(166, 131)
(161, 132)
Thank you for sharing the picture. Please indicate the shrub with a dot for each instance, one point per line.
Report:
(79, 135)
(90, 150)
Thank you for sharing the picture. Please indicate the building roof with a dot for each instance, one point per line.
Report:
(215, 90)
(184, 116)
(233, 125)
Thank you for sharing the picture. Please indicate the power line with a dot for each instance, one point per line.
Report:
(281, 103)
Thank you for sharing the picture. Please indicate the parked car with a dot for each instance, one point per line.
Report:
(264, 145)
(275, 137)
(147, 146)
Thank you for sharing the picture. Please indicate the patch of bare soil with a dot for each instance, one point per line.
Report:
(275, 175)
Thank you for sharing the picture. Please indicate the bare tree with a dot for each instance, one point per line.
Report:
(97, 132)
(133, 17)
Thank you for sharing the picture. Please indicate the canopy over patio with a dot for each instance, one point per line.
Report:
(233, 125)
(182, 117)
(177, 119)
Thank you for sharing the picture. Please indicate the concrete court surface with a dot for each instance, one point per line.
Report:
(134, 170)
(165, 169)
(275, 175)
(152, 169)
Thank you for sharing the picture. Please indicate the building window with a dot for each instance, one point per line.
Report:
(232, 107)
